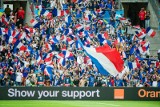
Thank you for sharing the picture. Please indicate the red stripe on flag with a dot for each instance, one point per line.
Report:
(113, 55)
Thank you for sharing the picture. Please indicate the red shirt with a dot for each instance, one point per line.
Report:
(21, 14)
(112, 82)
(142, 15)
(157, 64)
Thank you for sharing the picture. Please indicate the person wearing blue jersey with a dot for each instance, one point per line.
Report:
(91, 80)
(119, 82)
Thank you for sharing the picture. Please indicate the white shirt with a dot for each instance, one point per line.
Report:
(53, 3)
(28, 83)
(154, 84)
(19, 77)
(80, 59)
(25, 63)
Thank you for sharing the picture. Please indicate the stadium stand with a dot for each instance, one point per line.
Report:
(57, 49)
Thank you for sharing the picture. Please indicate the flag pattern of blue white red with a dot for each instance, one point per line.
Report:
(60, 46)
(150, 32)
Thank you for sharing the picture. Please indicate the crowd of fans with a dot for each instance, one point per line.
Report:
(48, 54)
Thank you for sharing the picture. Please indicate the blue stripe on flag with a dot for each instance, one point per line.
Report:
(95, 61)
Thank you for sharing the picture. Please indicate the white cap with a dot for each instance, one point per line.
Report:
(159, 51)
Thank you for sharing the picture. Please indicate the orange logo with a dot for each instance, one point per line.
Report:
(118, 93)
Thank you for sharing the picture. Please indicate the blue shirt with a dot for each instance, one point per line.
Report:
(1, 76)
(119, 83)
(102, 5)
(26, 71)
(158, 83)
(159, 71)
(65, 6)
(91, 81)
(109, 5)
(78, 14)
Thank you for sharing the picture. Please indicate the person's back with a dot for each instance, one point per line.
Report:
(91, 81)
(40, 80)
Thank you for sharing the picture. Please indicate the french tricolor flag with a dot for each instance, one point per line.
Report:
(54, 40)
(14, 33)
(47, 14)
(99, 11)
(91, 35)
(67, 54)
(102, 38)
(61, 61)
(28, 37)
(63, 38)
(48, 71)
(140, 34)
(4, 20)
(79, 27)
(103, 41)
(48, 60)
(60, 13)
(87, 27)
(87, 17)
(34, 23)
(68, 19)
(60, 55)
(144, 43)
(76, 1)
(2, 31)
(12, 39)
(103, 58)
(21, 47)
(119, 39)
(137, 27)
(68, 31)
(124, 55)
(150, 32)
(144, 48)
(48, 46)
(78, 46)
(100, 21)
(134, 38)
(22, 35)
(50, 55)
(29, 30)
(39, 59)
(70, 41)
(132, 65)
(82, 34)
